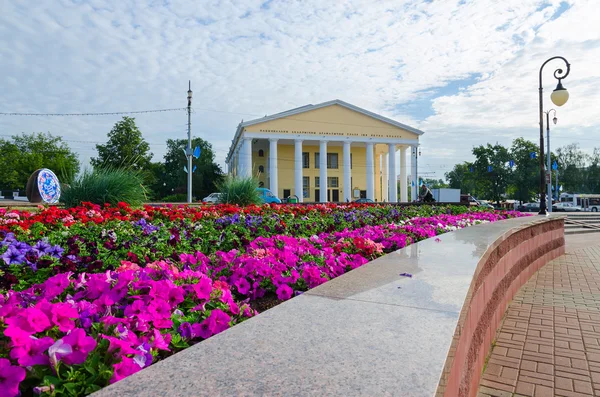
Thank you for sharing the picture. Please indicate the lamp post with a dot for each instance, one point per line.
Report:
(559, 97)
(549, 187)
(188, 151)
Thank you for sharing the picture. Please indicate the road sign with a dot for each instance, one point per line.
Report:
(555, 165)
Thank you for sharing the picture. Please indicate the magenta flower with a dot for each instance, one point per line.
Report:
(284, 292)
(137, 310)
(203, 288)
(159, 309)
(218, 321)
(161, 342)
(63, 315)
(243, 286)
(55, 285)
(10, 378)
(126, 367)
(81, 345)
(30, 320)
(32, 353)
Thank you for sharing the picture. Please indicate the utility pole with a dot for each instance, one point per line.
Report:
(189, 150)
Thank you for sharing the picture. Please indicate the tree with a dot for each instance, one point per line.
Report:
(26, 153)
(571, 165)
(593, 172)
(125, 147)
(525, 180)
(173, 179)
(434, 183)
(462, 178)
(492, 182)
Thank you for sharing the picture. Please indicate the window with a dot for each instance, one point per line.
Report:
(305, 160)
(261, 153)
(332, 160)
(317, 181)
(333, 181)
(261, 169)
(350, 160)
(269, 194)
(306, 186)
(287, 193)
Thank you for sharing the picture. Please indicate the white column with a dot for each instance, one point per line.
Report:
(392, 189)
(298, 169)
(273, 175)
(403, 180)
(413, 172)
(385, 177)
(247, 157)
(370, 173)
(347, 173)
(323, 172)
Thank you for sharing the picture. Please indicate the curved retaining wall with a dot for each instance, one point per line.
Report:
(373, 331)
(506, 265)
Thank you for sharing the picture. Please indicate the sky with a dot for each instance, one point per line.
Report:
(465, 72)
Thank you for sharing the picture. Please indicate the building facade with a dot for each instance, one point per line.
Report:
(330, 152)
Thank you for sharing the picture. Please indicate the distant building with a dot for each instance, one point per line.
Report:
(333, 151)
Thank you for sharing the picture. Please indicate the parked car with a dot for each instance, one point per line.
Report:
(364, 200)
(530, 207)
(211, 198)
(566, 207)
(267, 196)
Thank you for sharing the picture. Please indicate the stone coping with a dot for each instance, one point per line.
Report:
(369, 332)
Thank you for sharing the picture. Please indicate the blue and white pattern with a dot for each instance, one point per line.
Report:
(48, 186)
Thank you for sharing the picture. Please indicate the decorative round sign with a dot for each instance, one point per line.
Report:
(48, 186)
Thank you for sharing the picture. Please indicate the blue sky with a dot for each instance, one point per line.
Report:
(465, 72)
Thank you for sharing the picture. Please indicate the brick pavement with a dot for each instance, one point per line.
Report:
(549, 342)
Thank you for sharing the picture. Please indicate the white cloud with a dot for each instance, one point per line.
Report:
(74, 56)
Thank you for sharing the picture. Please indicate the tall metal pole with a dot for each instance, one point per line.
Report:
(549, 187)
(189, 146)
(558, 74)
(548, 166)
(556, 188)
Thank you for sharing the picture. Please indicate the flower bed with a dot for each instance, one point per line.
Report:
(91, 295)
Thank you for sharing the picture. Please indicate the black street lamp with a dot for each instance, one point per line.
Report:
(559, 97)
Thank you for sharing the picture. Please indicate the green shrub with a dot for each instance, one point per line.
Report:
(106, 185)
(240, 191)
(175, 198)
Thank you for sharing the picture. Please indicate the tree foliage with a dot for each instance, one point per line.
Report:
(125, 148)
(171, 177)
(578, 172)
(23, 154)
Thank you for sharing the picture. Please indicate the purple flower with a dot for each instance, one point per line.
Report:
(145, 358)
(10, 238)
(56, 251)
(185, 330)
(13, 256)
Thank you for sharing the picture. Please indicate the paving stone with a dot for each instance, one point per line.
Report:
(549, 342)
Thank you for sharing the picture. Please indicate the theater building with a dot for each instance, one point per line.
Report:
(330, 152)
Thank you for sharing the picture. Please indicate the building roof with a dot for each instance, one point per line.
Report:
(307, 108)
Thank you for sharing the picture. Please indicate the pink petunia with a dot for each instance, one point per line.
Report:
(218, 321)
(63, 315)
(203, 288)
(243, 286)
(126, 367)
(32, 353)
(81, 345)
(284, 292)
(10, 378)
